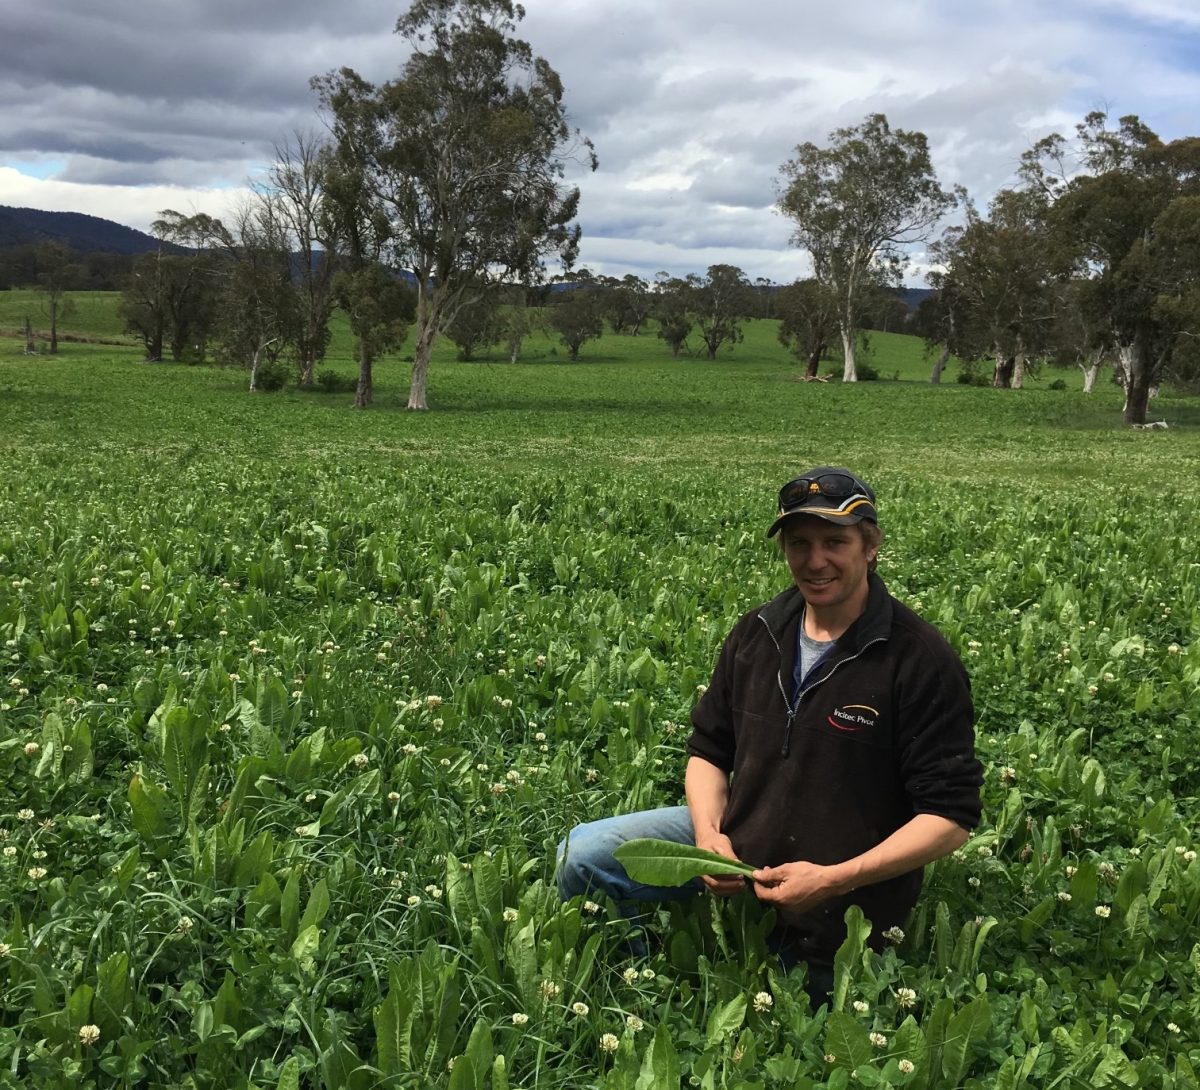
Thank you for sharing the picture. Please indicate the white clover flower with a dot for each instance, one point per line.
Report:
(31, 749)
(434, 891)
(907, 1067)
(763, 1002)
(630, 975)
(591, 775)
(634, 1022)
(609, 1042)
(861, 1007)
(878, 1040)
(1173, 1028)
(409, 749)
(9, 851)
(1173, 649)
(432, 701)
(102, 688)
(1109, 677)
(540, 736)
(1106, 871)
(89, 1035)
(580, 1009)
(37, 873)
(830, 1058)
(985, 852)
(648, 974)
(1008, 774)
(973, 882)
(591, 908)
(548, 990)
(510, 915)
(906, 998)
(1189, 856)
(1064, 896)
(1180, 849)
(185, 924)
(1071, 871)
(413, 901)
(1103, 911)
(519, 1019)
(5, 949)
(360, 760)
(310, 797)
(894, 934)
(498, 788)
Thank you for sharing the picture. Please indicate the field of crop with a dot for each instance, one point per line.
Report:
(297, 700)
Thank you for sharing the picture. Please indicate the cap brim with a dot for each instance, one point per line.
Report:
(829, 514)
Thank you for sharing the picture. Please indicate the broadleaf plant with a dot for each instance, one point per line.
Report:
(666, 863)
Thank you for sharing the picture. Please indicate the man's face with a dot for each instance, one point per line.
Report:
(828, 562)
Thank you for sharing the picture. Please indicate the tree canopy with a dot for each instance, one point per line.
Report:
(857, 203)
(464, 155)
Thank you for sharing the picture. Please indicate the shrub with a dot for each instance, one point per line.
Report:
(272, 375)
(331, 382)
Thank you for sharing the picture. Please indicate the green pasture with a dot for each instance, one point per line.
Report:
(897, 357)
(296, 701)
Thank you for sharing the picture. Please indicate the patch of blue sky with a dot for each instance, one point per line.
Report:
(38, 168)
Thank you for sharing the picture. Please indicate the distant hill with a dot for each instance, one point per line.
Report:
(84, 234)
(913, 297)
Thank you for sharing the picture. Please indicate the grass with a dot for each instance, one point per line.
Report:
(445, 637)
(634, 406)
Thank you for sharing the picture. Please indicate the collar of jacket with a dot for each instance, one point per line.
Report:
(782, 613)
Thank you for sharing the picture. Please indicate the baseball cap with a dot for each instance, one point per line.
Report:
(829, 492)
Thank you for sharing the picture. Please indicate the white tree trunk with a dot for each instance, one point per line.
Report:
(939, 366)
(1018, 378)
(1124, 370)
(850, 370)
(1091, 372)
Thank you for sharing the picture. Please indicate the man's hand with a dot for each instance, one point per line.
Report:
(797, 887)
(721, 885)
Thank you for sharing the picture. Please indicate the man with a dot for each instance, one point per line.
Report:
(834, 748)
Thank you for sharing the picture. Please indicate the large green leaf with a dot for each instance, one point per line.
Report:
(665, 863)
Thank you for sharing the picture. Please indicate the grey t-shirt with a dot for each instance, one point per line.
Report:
(809, 652)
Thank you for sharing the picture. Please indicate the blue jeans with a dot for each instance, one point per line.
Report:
(585, 864)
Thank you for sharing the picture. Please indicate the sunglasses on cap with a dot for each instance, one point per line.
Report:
(833, 486)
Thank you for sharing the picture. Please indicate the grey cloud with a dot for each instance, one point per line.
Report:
(194, 94)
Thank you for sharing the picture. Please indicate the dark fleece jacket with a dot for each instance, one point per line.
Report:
(881, 731)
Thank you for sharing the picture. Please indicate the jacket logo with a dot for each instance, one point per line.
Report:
(853, 717)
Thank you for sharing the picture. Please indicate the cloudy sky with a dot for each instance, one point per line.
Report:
(120, 108)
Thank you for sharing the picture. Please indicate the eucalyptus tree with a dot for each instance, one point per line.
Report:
(807, 312)
(998, 276)
(464, 154)
(57, 274)
(1132, 218)
(673, 310)
(169, 300)
(378, 308)
(720, 301)
(857, 203)
(296, 184)
(578, 312)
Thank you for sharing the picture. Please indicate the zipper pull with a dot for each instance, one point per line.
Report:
(787, 731)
